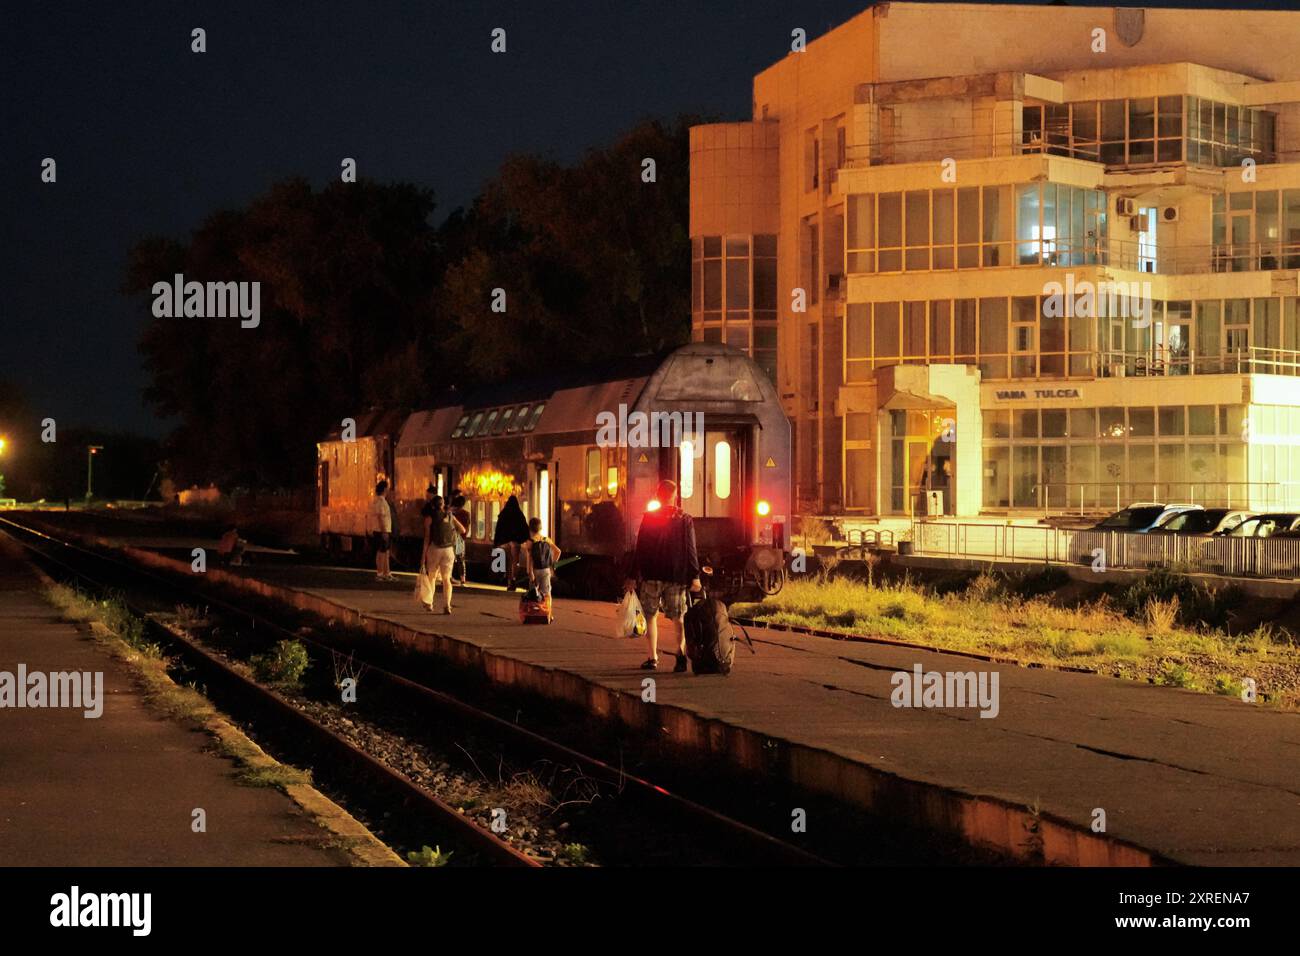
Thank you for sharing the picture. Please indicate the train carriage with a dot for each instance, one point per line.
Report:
(347, 468)
(585, 450)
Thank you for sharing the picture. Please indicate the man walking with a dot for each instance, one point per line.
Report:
(663, 565)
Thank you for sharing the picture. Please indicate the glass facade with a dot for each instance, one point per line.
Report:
(1098, 458)
(1151, 130)
(1259, 229)
(734, 296)
(1033, 224)
(1037, 337)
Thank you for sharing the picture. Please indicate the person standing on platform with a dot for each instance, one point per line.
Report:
(381, 517)
(440, 529)
(460, 570)
(511, 532)
(661, 568)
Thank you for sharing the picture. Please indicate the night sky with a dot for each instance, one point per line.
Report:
(150, 138)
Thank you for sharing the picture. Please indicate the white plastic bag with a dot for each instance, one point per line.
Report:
(629, 620)
(424, 589)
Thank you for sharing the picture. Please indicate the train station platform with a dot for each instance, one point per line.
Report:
(121, 789)
(1177, 776)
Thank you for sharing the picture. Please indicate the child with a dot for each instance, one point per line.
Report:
(540, 555)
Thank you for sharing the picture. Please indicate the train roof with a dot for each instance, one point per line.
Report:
(570, 395)
(374, 423)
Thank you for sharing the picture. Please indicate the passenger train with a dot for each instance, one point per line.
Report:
(584, 452)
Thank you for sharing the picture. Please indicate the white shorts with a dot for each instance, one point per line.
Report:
(543, 576)
(438, 561)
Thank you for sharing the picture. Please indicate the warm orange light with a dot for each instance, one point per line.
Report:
(764, 509)
(3, 442)
(487, 482)
(653, 505)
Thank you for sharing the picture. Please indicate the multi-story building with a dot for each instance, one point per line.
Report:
(907, 230)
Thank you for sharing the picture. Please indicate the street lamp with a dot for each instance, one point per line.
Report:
(91, 452)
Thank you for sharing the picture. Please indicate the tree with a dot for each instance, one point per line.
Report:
(364, 303)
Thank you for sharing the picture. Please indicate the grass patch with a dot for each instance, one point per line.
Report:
(1155, 630)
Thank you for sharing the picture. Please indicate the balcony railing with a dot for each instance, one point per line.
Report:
(1252, 361)
(1212, 257)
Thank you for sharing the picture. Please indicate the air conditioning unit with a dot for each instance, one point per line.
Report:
(1138, 223)
(1169, 214)
(1126, 206)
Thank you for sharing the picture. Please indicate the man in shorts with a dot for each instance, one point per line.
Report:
(381, 518)
(663, 566)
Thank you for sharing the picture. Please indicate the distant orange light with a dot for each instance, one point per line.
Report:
(764, 509)
(653, 505)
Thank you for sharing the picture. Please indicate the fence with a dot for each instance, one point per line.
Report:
(1233, 556)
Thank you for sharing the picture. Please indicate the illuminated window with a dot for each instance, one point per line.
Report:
(520, 414)
(722, 470)
(460, 426)
(473, 426)
(611, 480)
(504, 424)
(686, 484)
(593, 473)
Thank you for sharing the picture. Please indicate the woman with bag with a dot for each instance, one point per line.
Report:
(438, 552)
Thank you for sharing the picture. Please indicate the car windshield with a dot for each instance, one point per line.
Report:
(1132, 517)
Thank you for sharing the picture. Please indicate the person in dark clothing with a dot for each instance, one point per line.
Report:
(511, 532)
(459, 512)
(664, 563)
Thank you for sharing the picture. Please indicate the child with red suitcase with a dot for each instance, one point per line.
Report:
(540, 555)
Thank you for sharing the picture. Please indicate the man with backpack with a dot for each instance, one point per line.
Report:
(663, 565)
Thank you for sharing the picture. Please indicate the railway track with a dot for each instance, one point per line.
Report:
(736, 841)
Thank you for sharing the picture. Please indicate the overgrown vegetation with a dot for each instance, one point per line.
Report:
(283, 665)
(1165, 629)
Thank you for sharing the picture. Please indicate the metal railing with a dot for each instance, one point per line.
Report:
(1209, 257)
(1227, 555)
(1256, 360)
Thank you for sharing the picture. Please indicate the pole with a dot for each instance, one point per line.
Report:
(91, 451)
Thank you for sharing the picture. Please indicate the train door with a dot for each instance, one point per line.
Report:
(539, 498)
(711, 485)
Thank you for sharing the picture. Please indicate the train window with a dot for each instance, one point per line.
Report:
(473, 426)
(722, 470)
(460, 426)
(503, 421)
(537, 414)
(686, 481)
(521, 413)
(491, 420)
(611, 481)
(593, 472)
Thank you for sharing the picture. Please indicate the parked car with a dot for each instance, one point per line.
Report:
(1201, 521)
(1266, 526)
(1142, 516)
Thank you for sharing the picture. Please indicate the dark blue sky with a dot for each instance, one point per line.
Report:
(150, 138)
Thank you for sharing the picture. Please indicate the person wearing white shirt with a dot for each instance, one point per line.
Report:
(381, 517)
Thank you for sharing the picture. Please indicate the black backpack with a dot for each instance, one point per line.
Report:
(710, 637)
(443, 532)
(542, 553)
